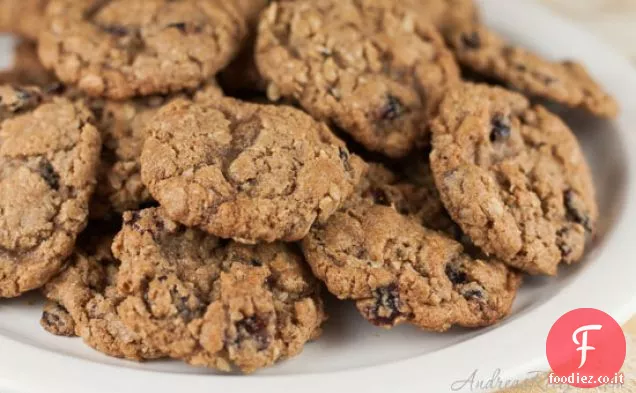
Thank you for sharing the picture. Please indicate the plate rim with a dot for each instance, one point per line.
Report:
(28, 369)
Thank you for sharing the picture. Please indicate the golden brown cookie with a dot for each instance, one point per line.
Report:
(246, 171)
(513, 177)
(369, 67)
(398, 271)
(83, 301)
(484, 52)
(123, 128)
(213, 302)
(122, 48)
(49, 152)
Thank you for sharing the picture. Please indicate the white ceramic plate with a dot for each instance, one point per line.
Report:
(354, 355)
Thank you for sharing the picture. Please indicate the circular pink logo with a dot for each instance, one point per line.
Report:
(585, 348)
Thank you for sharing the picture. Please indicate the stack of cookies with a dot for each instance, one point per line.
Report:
(180, 178)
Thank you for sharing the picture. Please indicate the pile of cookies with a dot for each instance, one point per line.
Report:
(180, 178)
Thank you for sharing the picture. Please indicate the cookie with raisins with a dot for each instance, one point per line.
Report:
(486, 54)
(398, 271)
(83, 300)
(513, 177)
(214, 302)
(49, 153)
(123, 48)
(375, 69)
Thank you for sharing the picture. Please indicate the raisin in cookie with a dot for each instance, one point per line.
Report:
(568, 83)
(214, 302)
(83, 302)
(398, 271)
(22, 17)
(27, 69)
(49, 153)
(246, 171)
(366, 66)
(513, 177)
(122, 48)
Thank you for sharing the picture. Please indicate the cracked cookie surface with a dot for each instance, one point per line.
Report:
(123, 128)
(83, 302)
(122, 48)
(398, 271)
(246, 171)
(513, 177)
(214, 302)
(566, 82)
(366, 66)
(49, 154)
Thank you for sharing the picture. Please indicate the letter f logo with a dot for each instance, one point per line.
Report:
(583, 344)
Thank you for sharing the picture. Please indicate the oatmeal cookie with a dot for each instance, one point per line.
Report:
(513, 177)
(565, 82)
(246, 171)
(398, 271)
(83, 302)
(214, 302)
(366, 66)
(121, 48)
(123, 128)
(49, 152)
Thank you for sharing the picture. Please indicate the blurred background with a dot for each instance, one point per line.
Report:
(612, 20)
